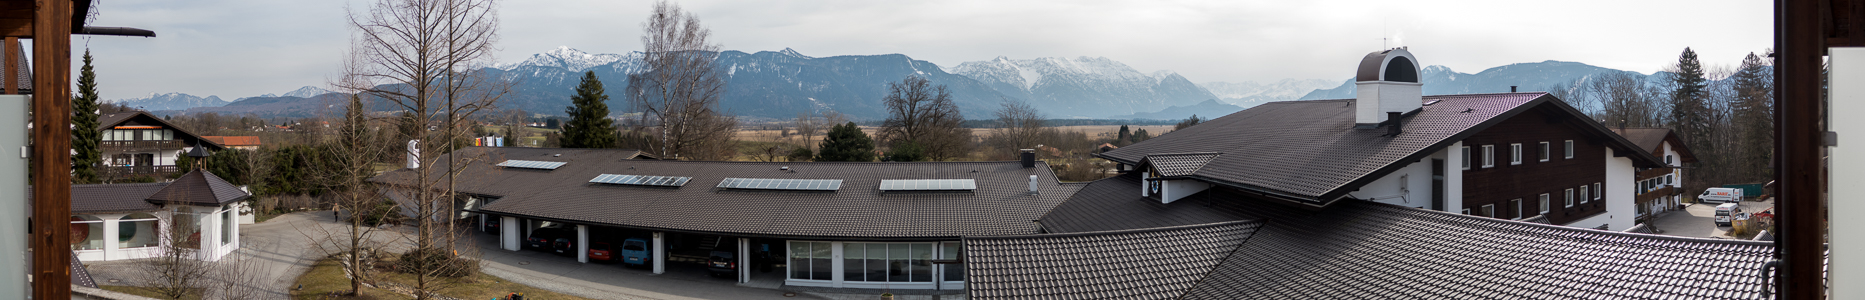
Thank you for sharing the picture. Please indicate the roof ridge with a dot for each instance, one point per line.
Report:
(1569, 228)
(1108, 232)
(1220, 261)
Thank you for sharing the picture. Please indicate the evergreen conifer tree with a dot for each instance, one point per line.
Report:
(85, 138)
(846, 143)
(1688, 110)
(589, 125)
(1125, 137)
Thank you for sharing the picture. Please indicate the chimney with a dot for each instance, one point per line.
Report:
(414, 154)
(1511, 89)
(1392, 123)
(1033, 185)
(1387, 81)
(1029, 158)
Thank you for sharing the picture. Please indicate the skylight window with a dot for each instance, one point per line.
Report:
(897, 185)
(671, 181)
(781, 184)
(531, 164)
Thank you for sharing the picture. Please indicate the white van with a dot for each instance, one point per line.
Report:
(1721, 195)
(1727, 212)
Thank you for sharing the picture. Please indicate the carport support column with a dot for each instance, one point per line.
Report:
(744, 260)
(659, 256)
(582, 243)
(508, 233)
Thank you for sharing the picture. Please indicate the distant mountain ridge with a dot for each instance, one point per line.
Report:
(1084, 86)
(1204, 110)
(1441, 80)
(1250, 94)
(170, 101)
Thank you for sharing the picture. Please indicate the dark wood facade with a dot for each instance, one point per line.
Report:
(1503, 182)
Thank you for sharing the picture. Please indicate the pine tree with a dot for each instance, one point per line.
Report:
(1125, 137)
(846, 143)
(589, 126)
(1688, 110)
(85, 138)
(1140, 135)
(1754, 118)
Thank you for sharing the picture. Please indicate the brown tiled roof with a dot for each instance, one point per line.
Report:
(1001, 204)
(1157, 263)
(1370, 250)
(108, 121)
(1310, 151)
(113, 198)
(1652, 140)
(233, 141)
(199, 188)
(1178, 164)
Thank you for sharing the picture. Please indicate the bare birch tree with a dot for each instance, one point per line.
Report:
(421, 56)
(678, 89)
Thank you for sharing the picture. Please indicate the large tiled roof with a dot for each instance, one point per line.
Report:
(1652, 140)
(199, 188)
(1158, 263)
(108, 121)
(113, 198)
(1178, 164)
(1364, 249)
(1310, 151)
(1001, 204)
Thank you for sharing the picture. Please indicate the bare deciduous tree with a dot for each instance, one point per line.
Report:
(1019, 126)
(1627, 101)
(177, 269)
(421, 56)
(921, 114)
(678, 89)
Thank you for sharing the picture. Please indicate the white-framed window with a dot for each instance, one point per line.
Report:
(1515, 153)
(1584, 191)
(1543, 204)
(1544, 151)
(1515, 209)
(1570, 196)
(1667, 159)
(1489, 156)
(1489, 210)
(1596, 187)
(1669, 179)
(1570, 149)
(1466, 155)
(1569, 203)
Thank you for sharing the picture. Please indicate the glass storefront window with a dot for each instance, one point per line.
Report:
(853, 256)
(822, 265)
(799, 260)
(922, 262)
(187, 230)
(137, 231)
(897, 263)
(87, 233)
(953, 272)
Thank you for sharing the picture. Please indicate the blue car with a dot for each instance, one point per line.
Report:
(635, 252)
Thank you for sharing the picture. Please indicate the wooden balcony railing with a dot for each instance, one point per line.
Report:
(141, 146)
(123, 171)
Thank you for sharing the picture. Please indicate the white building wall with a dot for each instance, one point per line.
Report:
(1416, 192)
(1453, 178)
(1621, 191)
(1173, 190)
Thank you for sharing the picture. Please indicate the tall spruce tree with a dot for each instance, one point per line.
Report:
(85, 138)
(1688, 110)
(846, 143)
(589, 126)
(1125, 137)
(1754, 118)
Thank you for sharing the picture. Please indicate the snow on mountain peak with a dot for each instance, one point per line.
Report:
(307, 92)
(793, 52)
(567, 58)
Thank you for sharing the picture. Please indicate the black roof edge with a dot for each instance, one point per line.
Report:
(1307, 202)
(732, 234)
(1121, 231)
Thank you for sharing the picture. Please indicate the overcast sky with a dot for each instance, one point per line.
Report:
(243, 48)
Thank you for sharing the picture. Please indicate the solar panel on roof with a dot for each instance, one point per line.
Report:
(673, 181)
(781, 184)
(928, 185)
(531, 164)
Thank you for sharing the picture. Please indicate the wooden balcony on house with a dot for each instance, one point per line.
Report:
(131, 171)
(140, 146)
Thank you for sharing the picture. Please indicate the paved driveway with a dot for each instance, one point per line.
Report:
(1699, 220)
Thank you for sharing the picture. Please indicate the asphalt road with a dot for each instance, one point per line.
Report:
(1699, 220)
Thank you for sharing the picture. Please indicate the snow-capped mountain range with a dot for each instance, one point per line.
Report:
(781, 84)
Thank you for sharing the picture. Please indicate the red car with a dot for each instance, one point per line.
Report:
(599, 251)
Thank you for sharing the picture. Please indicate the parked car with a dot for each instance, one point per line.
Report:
(1727, 212)
(542, 237)
(600, 251)
(1721, 195)
(492, 225)
(722, 263)
(635, 252)
(564, 245)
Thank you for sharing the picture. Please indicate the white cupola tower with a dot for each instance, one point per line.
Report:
(1387, 82)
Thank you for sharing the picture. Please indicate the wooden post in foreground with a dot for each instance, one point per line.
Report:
(51, 150)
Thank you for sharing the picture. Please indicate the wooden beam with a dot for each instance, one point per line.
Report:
(11, 66)
(20, 28)
(1798, 143)
(51, 150)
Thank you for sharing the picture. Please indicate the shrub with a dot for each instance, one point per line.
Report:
(437, 261)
